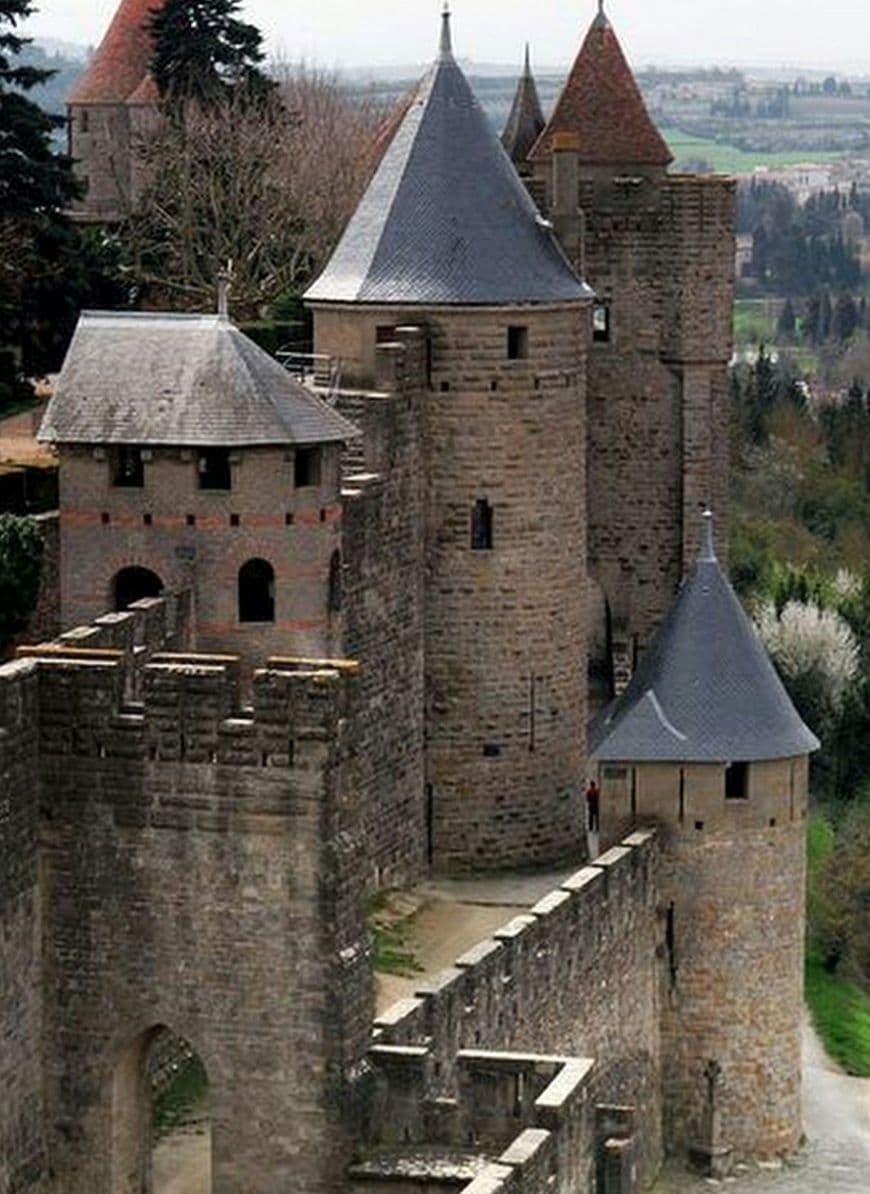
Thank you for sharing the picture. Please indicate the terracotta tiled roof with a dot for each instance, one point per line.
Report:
(602, 105)
(145, 93)
(120, 64)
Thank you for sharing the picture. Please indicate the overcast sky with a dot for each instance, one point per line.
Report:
(393, 32)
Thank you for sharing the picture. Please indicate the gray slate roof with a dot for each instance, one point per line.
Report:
(526, 121)
(446, 219)
(142, 378)
(705, 691)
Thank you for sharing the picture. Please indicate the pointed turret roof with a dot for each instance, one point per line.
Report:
(602, 105)
(120, 63)
(526, 121)
(705, 691)
(446, 218)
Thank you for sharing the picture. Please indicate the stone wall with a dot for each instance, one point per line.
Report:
(22, 1120)
(732, 887)
(99, 143)
(202, 869)
(383, 609)
(198, 539)
(659, 252)
(577, 976)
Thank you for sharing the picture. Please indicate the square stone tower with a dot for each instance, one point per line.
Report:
(658, 249)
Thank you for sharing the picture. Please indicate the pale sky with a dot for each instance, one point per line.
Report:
(357, 33)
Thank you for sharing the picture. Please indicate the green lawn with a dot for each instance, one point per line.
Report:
(841, 1014)
(728, 159)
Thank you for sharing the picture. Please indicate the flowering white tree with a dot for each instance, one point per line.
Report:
(816, 653)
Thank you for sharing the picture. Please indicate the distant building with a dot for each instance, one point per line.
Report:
(108, 109)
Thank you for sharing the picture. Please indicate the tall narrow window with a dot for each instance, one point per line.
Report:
(84, 121)
(481, 526)
(128, 470)
(737, 781)
(257, 592)
(306, 468)
(601, 323)
(517, 343)
(334, 598)
(214, 470)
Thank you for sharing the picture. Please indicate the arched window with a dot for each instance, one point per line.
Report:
(132, 584)
(257, 592)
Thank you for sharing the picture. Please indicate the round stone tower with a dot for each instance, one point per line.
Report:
(706, 744)
(447, 238)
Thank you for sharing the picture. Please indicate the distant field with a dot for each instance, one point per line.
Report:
(728, 159)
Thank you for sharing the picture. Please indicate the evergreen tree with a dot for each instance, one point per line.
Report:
(203, 52)
(33, 177)
(845, 318)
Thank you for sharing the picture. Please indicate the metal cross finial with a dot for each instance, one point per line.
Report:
(708, 546)
(446, 39)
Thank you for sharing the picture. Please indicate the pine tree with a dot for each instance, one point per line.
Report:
(787, 323)
(202, 52)
(33, 177)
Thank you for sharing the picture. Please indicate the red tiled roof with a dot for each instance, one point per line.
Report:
(120, 64)
(145, 93)
(602, 106)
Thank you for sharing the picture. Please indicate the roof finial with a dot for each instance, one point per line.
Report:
(225, 281)
(708, 547)
(528, 64)
(601, 19)
(446, 39)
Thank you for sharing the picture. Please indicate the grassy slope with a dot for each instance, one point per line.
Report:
(839, 1009)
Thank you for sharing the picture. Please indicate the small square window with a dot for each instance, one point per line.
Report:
(191, 520)
(601, 323)
(235, 520)
(517, 343)
(306, 468)
(214, 470)
(128, 469)
(737, 781)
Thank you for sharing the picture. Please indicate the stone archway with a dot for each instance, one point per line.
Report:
(161, 1134)
(132, 584)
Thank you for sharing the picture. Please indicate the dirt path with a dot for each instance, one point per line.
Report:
(836, 1159)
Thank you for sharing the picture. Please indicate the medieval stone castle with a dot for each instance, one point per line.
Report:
(355, 632)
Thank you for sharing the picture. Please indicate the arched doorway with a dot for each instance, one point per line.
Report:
(132, 584)
(161, 1133)
(257, 592)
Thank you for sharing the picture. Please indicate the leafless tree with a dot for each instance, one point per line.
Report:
(269, 187)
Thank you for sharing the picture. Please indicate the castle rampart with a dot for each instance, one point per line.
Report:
(200, 869)
(578, 975)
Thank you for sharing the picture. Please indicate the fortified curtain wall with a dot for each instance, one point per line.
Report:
(576, 977)
(200, 867)
(383, 605)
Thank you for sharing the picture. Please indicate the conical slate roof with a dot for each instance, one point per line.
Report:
(194, 380)
(446, 219)
(705, 691)
(526, 121)
(601, 105)
(120, 63)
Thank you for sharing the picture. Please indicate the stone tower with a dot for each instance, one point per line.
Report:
(706, 744)
(190, 460)
(658, 249)
(446, 237)
(108, 107)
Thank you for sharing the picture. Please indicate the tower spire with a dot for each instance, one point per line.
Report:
(446, 46)
(708, 547)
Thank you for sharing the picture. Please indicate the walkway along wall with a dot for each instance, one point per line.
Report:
(577, 976)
